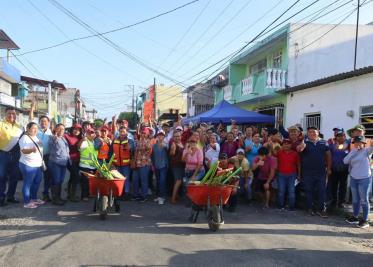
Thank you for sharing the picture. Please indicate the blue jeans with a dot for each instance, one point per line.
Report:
(126, 171)
(247, 192)
(31, 181)
(286, 183)
(141, 174)
(57, 173)
(9, 173)
(189, 174)
(161, 175)
(360, 196)
(46, 176)
(315, 182)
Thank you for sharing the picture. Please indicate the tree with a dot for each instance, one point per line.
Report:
(131, 117)
(98, 123)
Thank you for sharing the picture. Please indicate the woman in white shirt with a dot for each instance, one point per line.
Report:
(212, 151)
(30, 165)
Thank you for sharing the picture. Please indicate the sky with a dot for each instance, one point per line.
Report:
(172, 48)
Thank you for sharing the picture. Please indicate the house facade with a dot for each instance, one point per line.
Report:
(293, 55)
(342, 100)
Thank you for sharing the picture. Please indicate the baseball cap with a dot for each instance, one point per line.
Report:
(358, 127)
(179, 128)
(90, 131)
(359, 139)
(104, 128)
(286, 140)
(240, 151)
(293, 128)
(161, 132)
(223, 156)
(338, 132)
(338, 128)
(77, 126)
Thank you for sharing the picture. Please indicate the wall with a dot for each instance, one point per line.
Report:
(5, 87)
(332, 101)
(332, 54)
(170, 98)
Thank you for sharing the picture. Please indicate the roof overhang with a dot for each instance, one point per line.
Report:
(6, 42)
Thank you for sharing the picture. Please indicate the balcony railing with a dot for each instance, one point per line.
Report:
(227, 91)
(7, 100)
(276, 78)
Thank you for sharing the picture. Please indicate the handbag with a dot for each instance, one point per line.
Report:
(42, 158)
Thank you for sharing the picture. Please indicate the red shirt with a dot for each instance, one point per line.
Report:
(287, 162)
(73, 141)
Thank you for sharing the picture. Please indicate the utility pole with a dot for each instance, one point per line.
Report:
(155, 99)
(357, 31)
(49, 100)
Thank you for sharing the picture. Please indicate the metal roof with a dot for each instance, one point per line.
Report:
(6, 42)
(330, 79)
(44, 83)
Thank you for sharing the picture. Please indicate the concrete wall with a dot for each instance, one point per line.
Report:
(332, 54)
(332, 100)
(168, 97)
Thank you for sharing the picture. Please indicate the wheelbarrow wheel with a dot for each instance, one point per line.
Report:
(214, 218)
(103, 207)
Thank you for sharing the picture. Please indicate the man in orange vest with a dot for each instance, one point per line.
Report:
(123, 149)
(103, 144)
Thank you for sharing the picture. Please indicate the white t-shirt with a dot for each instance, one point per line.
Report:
(212, 154)
(33, 159)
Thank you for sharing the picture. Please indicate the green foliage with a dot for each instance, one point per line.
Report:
(98, 123)
(131, 117)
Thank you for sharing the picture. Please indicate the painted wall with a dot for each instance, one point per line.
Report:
(332, 54)
(168, 97)
(332, 101)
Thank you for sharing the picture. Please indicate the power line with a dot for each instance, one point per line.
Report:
(203, 33)
(185, 33)
(77, 44)
(16, 57)
(216, 34)
(112, 44)
(111, 31)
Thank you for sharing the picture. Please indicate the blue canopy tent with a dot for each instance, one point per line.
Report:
(225, 112)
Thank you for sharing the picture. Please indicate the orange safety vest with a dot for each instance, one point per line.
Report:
(103, 152)
(122, 153)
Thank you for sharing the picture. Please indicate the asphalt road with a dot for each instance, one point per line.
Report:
(146, 234)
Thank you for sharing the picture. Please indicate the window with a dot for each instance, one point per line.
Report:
(366, 119)
(258, 67)
(276, 110)
(277, 60)
(312, 120)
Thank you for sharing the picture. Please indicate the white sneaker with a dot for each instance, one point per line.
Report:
(30, 205)
(156, 199)
(161, 201)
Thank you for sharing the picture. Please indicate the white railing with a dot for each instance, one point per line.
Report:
(7, 100)
(227, 91)
(247, 86)
(276, 78)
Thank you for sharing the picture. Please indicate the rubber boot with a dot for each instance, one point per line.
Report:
(72, 193)
(55, 196)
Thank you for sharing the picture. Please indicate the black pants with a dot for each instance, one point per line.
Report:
(84, 181)
(74, 173)
(338, 187)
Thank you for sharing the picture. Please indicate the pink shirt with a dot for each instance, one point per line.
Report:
(192, 160)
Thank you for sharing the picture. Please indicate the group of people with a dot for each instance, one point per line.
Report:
(281, 164)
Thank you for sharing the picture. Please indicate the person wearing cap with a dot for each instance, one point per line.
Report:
(176, 162)
(245, 180)
(224, 162)
(357, 130)
(316, 167)
(274, 142)
(123, 150)
(102, 144)
(288, 162)
(337, 184)
(143, 152)
(116, 124)
(87, 151)
(295, 135)
(266, 166)
(336, 130)
(10, 133)
(360, 172)
(73, 138)
(59, 158)
(160, 164)
(212, 151)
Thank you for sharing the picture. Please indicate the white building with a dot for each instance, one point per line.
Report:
(343, 100)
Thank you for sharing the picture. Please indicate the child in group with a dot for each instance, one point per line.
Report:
(288, 172)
